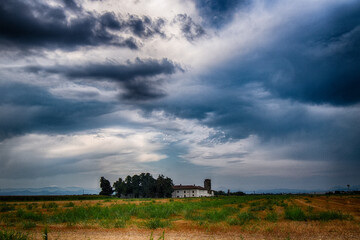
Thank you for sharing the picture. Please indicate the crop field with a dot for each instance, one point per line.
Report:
(233, 217)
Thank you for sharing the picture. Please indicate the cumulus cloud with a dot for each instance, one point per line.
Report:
(136, 78)
(40, 25)
(189, 28)
(101, 149)
(269, 89)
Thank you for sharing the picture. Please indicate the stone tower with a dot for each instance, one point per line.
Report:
(207, 185)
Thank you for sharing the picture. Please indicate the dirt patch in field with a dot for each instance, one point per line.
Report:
(282, 230)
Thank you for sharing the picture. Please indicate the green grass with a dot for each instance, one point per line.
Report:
(329, 215)
(29, 215)
(51, 205)
(12, 235)
(295, 213)
(242, 218)
(28, 225)
(154, 214)
(69, 204)
(6, 207)
(155, 223)
(271, 217)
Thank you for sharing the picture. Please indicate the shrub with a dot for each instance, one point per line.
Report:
(295, 213)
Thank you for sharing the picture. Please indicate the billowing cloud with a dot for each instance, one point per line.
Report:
(136, 78)
(43, 155)
(254, 94)
(219, 12)
(190, 29)
(40, 25)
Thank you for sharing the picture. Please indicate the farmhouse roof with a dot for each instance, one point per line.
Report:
(187, 187)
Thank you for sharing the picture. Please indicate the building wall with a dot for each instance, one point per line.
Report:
(191, 193)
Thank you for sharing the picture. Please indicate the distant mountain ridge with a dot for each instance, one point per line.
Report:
(295, 191)
(47, 191)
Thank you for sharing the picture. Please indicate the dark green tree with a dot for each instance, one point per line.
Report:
(128, 185)
(164, 186)
(119, 187)
(148, 185)
(135, 184)
(105, 186)
(144, 185)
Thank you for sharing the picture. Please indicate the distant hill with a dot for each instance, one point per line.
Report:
(297, 191)
(47, 191)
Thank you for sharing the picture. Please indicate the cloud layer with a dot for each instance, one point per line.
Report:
(239, 91)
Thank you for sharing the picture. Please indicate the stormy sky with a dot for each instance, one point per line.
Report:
(254, 94)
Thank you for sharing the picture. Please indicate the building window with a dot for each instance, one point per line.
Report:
(178, 191)
(193, 192)
(184, 191)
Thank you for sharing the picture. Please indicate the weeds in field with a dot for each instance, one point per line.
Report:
(28, 225)
(12, 235)
(271, 217)
(69, 204)
(295, 213)
(6, 207)
(28, 215)
(45, 233)
(156, 223)
(218, 215)
(162, 237)
(51, 205)
(329, 215)
(242, 218)
(155, 214)
(31, 206)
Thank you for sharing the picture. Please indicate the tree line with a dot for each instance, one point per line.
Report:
(143, 185)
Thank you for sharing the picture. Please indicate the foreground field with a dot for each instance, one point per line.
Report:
(243, 217)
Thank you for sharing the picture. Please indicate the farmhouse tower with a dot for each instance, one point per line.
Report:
(207, 185)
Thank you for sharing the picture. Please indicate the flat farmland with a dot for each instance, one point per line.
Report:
(228, 217)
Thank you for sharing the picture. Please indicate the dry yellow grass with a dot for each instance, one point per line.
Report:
(182, 228)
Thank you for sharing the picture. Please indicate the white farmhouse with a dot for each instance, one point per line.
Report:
(184, 191)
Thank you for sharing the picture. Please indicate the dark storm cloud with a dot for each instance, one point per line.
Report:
(136, 78)
(219, 12)
(145, 27)
(189, 28)
(24, 25)
(25, 108)
(273, 91)
(71, 4)
(316, 62)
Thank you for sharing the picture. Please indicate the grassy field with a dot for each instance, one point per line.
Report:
(242, 217)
